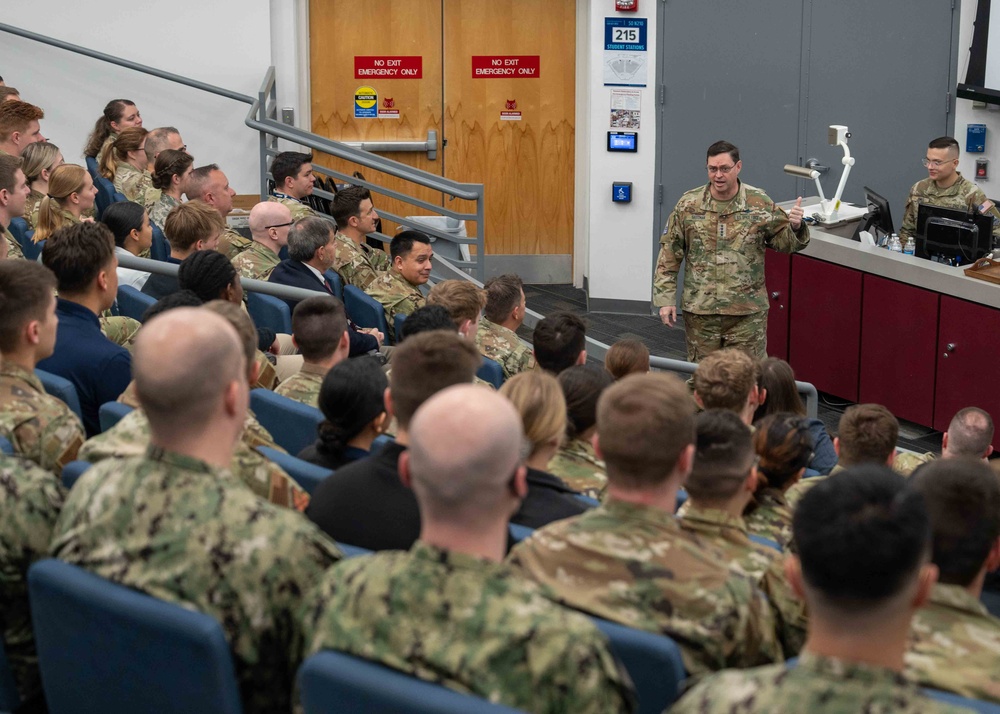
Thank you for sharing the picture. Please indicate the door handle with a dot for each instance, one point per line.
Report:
(949, 348)
(815, 165)
(430, 146)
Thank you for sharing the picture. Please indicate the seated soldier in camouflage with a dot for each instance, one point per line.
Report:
(357, 262)
(182, 527)
(210, 185)
(130, 436)
(630, 561)
(727, 379)
(559, 341)
(39, 426)
(576, 463)
(269, 226)
(14, 192)
(292, 172)
(721, 483)
(399, 289)
(449, 610)
(319, 329)
(497, 336)
(171, 175)
(863, 568)
(464, 303)
(955, 641)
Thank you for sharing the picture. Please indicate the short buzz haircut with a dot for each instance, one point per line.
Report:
(867, 433)
(347, 204)
(503, 294)
(944, 142)
(724, 379)
(199, 179)
(158, 140)
(425, 319)
(462, 299)
(644, 422)
(191, 222)
(318, 324)
(16, 116)
(77, 254)
(558, 340)
(424, 365)
(307, 235)
(402, 243)
(723, 147)
(723, 456)
(861, 537)
(970, 433)
(288, 164)
(242, 323)
(26, 292)
(8, 171)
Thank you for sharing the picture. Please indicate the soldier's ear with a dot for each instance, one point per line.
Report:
(793, 574)
(928, 576)
(387, 398)
(32, 331)
(405, 477)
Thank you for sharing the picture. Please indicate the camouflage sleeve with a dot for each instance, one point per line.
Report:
(120, 329)
(267, 375)
(669, 262)
(755, 639)
(14, 249)
(789, 611)
(61, 439)
(588, 679)
(909, 226)
(780, 236)
(131, 187)
(380, 259)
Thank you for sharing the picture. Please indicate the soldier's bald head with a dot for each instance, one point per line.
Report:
(184, 362)
(465, 445)
(268, 213)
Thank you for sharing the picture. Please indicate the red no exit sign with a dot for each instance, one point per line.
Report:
(395, 67)
(509, 66)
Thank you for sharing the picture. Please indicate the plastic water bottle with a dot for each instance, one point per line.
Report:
(911, 246)
(894, 245)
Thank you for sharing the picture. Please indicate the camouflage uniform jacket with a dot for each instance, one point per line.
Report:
(232, 243)
(962, 195)
(39, 426)
(760, 562)
(635, 565)
(722, 244)
(955, 645)
(818, 685)
(772, 518)
(359, 265)
(298, 208)
(135, 185)
(303, 386)
(158, 211)
(13, 247)
(182, 531)
(256, 262)
(576, 464)
(30, 501)
(130, 437)
(504, 347)
(470, 624)
(31, 207)
(397, 296)
(120, 329)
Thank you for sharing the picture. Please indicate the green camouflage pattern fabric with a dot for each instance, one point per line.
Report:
(256, 262)
(40, 427)
(304, 385)
(470, 624)
(13, 247)
(817, 685)
(182, 531)
(763, 564)
(634, 565)
(708, 333)
(955, 645)
(359, 265)
(771, 518)
(120, 329)
(298, 209)
(31, 207)
(962, 195)
(722, 244)
(160, 208)
(397, 296)
(576, 464)
(232, 243)
(903, 466)
(504, 347)
(30, 501)
(267, 375)
(906, 462)
(135, 185)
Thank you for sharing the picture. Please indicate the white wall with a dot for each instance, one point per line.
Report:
(222, 42)
(615, 237)
(966, 114)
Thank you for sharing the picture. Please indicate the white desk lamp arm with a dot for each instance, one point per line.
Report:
(848, 162)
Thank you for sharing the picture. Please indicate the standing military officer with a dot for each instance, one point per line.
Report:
(720, 231)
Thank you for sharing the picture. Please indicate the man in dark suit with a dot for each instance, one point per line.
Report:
(311, 248)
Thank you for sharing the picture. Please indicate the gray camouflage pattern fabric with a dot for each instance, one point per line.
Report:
(504, 347)
(359, 265)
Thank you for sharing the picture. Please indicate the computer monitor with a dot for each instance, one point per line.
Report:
(878, 217)
(952, 236)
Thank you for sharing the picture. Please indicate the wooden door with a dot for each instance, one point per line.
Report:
(966, 357)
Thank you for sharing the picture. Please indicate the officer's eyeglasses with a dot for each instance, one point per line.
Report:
(933, 163)
(279, 225)
(720, 169)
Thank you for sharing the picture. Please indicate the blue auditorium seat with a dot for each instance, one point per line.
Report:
(336, 283)
(133, 303)
(111, 413)
(682, 497)
(365, 310)
(308, 476)
(105, 193)
(160, 250)
(397, 325)
(761, 540)
(19, 229)
(10, 700)
(291, 423)
(992, 602)
(519, 532)
(333, 682)
(5, 446)
(491, 371)
(106, 649)
(72, 472)
(653, 661)
(353, 551)
(268, 311)
(118, 197)
(975, 705)
(92, 168)
(61, 388)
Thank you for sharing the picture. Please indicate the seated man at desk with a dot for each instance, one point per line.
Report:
(944, 186)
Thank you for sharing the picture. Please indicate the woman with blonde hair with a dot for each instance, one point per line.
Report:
(39, 160)
(124, 162)
(118, 114)
(71, 191)
(539, 400)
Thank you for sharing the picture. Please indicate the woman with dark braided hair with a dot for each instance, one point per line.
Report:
(171, 173)
(784, 448)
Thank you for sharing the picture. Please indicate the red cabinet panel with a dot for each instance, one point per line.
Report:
(968, 341)
(777, 277)
(824, 339)
(898, 347)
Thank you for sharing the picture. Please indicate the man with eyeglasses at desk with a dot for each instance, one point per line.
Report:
(721, 230)
(945, 186)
